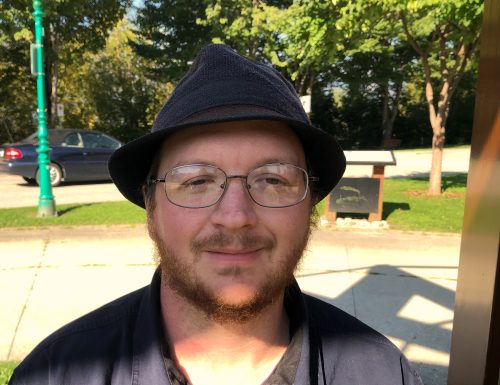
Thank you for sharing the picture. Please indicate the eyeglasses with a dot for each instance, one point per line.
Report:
(202, 185)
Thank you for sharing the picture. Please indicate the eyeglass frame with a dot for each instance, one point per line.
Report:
(154, 181)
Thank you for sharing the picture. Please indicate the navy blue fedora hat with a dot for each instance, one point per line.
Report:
(223, 86)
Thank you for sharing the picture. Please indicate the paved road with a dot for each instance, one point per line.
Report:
(17, 193)
(418, 163)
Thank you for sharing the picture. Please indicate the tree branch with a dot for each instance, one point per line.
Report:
(442, 55)
(409, 36)
(458, 74)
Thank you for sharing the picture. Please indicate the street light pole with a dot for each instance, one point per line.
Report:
(46, 203)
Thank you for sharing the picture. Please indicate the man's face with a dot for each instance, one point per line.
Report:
(234, 258)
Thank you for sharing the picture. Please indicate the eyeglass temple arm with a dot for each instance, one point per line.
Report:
(155, 180)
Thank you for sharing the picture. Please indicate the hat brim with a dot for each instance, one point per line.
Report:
(130, 164)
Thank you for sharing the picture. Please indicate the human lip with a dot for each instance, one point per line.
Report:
(234, 255)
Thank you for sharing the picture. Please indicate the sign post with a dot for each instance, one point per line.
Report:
(46, 203)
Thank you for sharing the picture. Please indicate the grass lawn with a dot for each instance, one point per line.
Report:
(6, 369)
(105, 213)
(406, 207)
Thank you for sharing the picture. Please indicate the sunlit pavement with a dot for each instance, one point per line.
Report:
(400, 283)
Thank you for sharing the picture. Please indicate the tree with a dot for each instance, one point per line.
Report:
(296, 37)
(70, 30)
(445, 35)
(169, 37)
(380, 78)
(17, 87)
(110, 91)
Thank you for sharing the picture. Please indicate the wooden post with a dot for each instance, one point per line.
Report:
(331, 216)
(475, 342)
(378, 173)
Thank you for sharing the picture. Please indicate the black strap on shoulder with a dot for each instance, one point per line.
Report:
(315, 349)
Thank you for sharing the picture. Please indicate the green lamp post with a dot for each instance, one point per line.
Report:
(46, 203)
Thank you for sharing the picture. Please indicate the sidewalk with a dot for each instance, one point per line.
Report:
(402, 284)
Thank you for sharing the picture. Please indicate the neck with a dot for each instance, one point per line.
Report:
(243, 353)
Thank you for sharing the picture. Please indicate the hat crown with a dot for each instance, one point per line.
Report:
(221, 77)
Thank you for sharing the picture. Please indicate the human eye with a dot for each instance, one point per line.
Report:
(269, 181)
(198, 184)
(192, 179)
(273, 180)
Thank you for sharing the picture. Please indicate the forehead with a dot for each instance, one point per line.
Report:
(239, 144)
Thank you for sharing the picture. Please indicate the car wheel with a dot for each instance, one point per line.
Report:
(55, 174)
(29, 180)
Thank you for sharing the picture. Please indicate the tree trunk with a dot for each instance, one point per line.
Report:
(389, 113)
(386, 133)
(438, 122)
(310, 85)
(437, 164)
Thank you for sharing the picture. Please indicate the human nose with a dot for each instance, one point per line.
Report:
(235, 209)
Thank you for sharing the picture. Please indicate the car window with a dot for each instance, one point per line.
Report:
(32, 139)
(72, 140)
(95, 140)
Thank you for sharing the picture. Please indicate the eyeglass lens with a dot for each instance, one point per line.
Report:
(271, 185)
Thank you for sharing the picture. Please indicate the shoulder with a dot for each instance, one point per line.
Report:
(356, 352)
(92, 341)
(115, 315)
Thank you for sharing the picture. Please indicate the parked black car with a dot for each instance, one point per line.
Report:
(76, 155)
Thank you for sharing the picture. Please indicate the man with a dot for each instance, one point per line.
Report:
(229, 177)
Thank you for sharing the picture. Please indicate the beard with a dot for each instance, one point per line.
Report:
(180, 276)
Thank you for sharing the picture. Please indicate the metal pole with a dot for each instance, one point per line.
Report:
(46, 203)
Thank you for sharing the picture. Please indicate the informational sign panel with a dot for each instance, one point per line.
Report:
(355, 195)
(60, 109)
(382, 158)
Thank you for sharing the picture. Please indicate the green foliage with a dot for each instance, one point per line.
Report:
(6, 369)
(169, 37)
(17, 87)
(444, 34)
(296, 37)
(116, 95)
(352, 56)
(71, 29)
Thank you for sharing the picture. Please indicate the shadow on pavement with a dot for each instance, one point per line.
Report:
(413, 311)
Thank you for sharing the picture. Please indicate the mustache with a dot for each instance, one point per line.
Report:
(222, 240)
